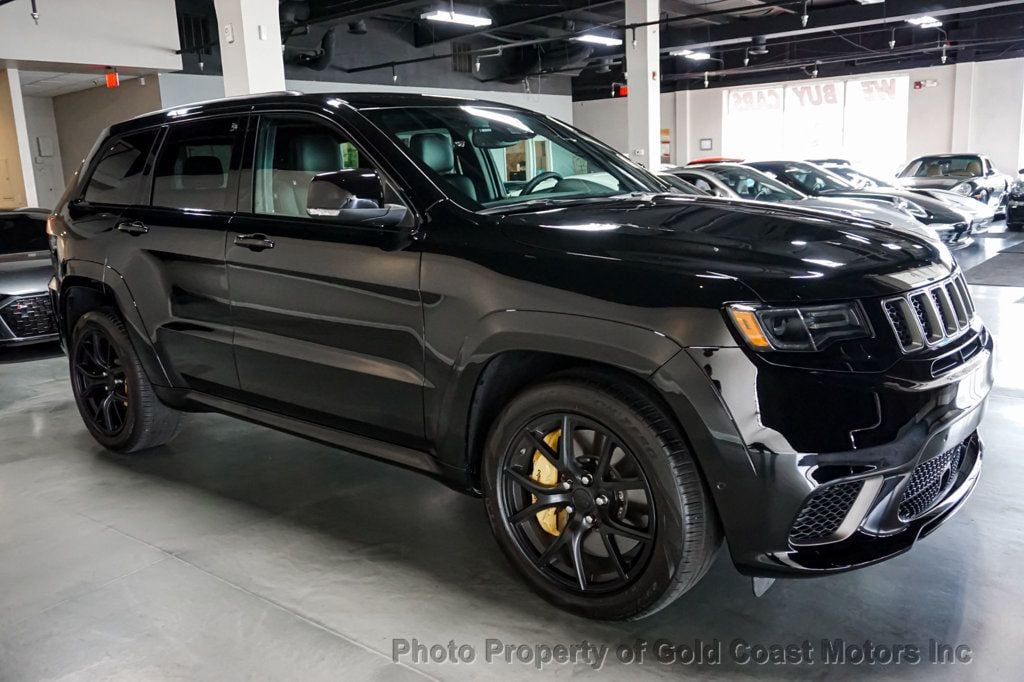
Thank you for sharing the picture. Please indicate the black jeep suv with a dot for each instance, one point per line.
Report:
(624, 374)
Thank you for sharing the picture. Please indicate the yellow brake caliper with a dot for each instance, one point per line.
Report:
(544, 472)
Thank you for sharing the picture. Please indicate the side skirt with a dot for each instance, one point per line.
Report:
(408, 458)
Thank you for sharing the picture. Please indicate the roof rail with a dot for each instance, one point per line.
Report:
(234, 98)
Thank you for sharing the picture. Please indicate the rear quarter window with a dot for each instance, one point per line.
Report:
(116, 177)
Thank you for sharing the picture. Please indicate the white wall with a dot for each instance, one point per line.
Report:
(975, 107)
(605, 119)
(180, 88)
(141, 35)
(17, 184)
(45, 150)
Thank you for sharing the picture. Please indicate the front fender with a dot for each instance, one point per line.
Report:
(633, 349)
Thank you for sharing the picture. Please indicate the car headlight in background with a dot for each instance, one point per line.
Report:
(910, 207)
(965, 188)
(804, 328)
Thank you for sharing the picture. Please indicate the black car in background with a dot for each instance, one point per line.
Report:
(624, 374)
(1015, 203)
(969, 174)
(25, 271)
(952, 225)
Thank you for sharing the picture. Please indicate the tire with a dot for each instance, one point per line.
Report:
(1014, 227)
(681, 519)
(114, 397)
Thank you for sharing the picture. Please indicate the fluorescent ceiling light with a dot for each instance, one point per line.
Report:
(598, 40)
(925, 22)
(456, 18)
(680, 53)
(698, 56)
(870, 2)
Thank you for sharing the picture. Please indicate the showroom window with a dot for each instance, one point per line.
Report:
(198, 165)
(851, 118)
(290, 152)
(116, 178)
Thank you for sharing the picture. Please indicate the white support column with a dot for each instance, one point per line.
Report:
(250, 46)
(19, 180)
(963, 104)
(644, 79)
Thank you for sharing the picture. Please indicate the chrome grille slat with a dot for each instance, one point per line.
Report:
(930, 316)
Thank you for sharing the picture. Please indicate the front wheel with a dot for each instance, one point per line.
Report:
(114, 397)
(595, 498)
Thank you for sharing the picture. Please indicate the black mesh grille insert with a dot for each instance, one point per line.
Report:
(921, 315)
(898, 323)
(824, 511)
(29, 316)
(931, 481)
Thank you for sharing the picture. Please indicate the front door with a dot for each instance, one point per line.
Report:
(327, 315)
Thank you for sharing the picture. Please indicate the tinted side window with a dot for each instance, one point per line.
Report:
(197, 166)
(289, 153)
(20, 234)
(116, 177)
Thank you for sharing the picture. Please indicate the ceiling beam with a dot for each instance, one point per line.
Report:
(821, 20)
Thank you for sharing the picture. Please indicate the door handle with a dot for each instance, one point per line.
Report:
(255, 242)
(133, 227)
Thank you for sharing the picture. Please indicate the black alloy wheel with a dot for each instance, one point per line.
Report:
(115, 398)
(593, 528)
(101, 383)
(595, 498)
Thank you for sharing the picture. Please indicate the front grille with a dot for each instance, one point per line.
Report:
(29, 316)
(824, 511)
(931, 481)
(930, 316)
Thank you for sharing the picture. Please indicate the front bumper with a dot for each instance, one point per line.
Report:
(756, 449)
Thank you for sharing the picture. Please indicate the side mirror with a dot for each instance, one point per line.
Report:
(352, 196)
(1021, 171)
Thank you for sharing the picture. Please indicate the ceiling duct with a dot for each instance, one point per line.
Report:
(758, 46)
(320, 59)
(532, 60)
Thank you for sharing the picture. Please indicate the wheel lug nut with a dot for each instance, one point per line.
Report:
(588, 519)
(566, 485)
(585, 480)
(601, 500)
(569, 510)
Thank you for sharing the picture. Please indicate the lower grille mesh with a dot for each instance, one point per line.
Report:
(931, 481)
(29, 317)
(824, 511)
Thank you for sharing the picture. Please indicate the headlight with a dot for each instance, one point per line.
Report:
(807, 328)
(910, 207)
(965, 188)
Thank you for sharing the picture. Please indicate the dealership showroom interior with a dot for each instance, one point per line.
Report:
(485, 339)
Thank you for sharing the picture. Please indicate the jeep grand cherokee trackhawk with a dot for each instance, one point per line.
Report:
(624, 374)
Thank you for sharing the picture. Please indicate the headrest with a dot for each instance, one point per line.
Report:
(974, 167)
(202, 172)
(435, 150)
(317, 153)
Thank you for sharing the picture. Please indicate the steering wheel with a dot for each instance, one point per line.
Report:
(537, 179)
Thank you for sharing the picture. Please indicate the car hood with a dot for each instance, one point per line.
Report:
(24, 273)
(871, 210)
(938, 212)
(779, 252)
(931, 183)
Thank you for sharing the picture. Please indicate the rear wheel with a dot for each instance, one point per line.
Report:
(114, 397)
(595, 498)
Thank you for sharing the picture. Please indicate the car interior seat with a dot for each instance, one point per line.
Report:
(437, 152)
(202, 181)
(301, 157)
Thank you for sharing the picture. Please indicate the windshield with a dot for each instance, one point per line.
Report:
(750, 184)
(966, 166)
(20, 233)
(804, 177)
(488, 157)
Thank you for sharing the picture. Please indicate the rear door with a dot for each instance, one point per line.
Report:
(177, 233)
(328, 321)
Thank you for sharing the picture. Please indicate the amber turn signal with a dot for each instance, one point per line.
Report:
(749, 327)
